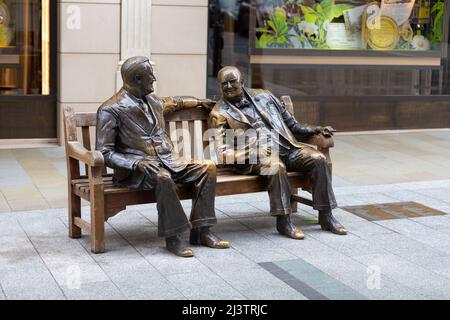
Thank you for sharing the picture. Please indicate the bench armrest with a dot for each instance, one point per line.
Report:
(321, 141)
(77, 151)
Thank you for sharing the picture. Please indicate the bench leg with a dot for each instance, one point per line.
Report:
(97, 211)
(294, 204)
(74, 212)
(97, 230)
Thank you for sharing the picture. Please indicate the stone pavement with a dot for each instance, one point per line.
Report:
(390, 259)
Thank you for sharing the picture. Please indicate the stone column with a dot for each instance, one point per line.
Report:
(135, 31)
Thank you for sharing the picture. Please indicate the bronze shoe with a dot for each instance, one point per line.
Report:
(204, 237)
(287, 228)
(178, 247)
(329, 223)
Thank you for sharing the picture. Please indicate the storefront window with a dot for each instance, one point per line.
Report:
(25, 47)
(378, 60)
(353, 25)
(333, 47)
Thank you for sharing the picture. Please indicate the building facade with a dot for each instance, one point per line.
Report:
(58, 53)
(90, 39)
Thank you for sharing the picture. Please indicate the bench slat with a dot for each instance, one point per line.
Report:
(86, 119)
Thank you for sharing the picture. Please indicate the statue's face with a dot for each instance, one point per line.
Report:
(231, 85)
(145, 79)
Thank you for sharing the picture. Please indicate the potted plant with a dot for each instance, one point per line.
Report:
(317, 18)
(279, 32)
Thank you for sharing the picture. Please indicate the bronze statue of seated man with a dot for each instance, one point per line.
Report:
(132, 138)
(243, 110)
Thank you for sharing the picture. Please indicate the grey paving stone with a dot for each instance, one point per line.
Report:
(420, 185)
(242, 198)
(345, 200)
(370, 189)
(410, 250)
(341, 182)
(139, 233)
(260, 224)
(240, 210)
(205, 286)
(349, 245)
(267, 225)
(94, 291)
(42, 292)
(373, 198)
(216, 259)
(29, 279)
(259, 284)
(130, 219)
(345, 217)
(439, 265)
(404, 226)
(315, 284)
(355, 275)
(10, 227)
(43, 226)
(263, 206)
(441, 223)
(409, 275)
(443, 272)
(419, 232)
(139, 280)
(230, 226)
(366, 228)
(258, 248)
(40, 214)
(2, 294)
(437, 193)
(16, 251)
(169, 264)
(89, 272)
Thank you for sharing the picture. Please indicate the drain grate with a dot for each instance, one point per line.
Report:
(388, 211)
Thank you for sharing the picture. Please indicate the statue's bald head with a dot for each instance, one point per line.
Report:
(231, 83)
(137, 75)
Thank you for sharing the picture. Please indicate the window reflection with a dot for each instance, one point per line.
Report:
(24, 47)
(279, 47)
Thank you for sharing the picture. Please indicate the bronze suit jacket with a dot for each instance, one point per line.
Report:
(128, 131)
(225, 116)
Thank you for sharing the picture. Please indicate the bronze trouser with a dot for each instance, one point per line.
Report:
(307, 160)
(171, 216)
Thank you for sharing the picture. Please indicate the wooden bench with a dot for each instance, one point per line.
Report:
(106, 200)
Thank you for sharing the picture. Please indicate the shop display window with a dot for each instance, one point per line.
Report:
(24, 47)
(386, 25)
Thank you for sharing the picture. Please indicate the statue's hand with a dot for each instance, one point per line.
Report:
(328, 131)
(149, 167)
(207, 104)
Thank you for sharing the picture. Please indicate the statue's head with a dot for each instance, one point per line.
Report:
(231, 83)
(137, 75)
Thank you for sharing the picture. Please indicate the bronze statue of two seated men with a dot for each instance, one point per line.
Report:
(132, 138)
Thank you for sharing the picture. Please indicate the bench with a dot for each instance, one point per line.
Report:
(186, 128)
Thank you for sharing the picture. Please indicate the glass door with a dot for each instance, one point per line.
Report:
(27, 69)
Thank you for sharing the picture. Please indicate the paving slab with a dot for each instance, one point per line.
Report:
(94, 291)
(408, 274)
(259, 284)
(205, 286)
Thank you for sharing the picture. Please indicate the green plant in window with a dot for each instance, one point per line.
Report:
(437, 29)
(278, 33)
(320, 16)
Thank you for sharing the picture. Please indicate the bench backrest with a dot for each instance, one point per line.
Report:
(186, 128)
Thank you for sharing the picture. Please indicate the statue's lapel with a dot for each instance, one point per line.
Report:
(258, 102)
(268, 112)
(133, 111)
(236, 114)
(155, 109)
